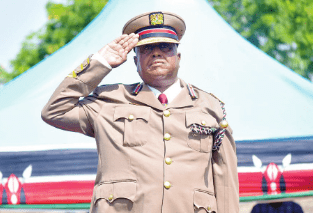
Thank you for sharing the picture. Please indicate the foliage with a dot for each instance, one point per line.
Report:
(65, 22)
(281, 28)
(3, 75)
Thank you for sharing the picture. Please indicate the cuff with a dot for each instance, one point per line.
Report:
(99, 58)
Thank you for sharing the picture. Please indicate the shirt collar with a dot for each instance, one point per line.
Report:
(170, 92)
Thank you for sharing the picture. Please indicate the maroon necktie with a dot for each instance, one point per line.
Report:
(163, 99)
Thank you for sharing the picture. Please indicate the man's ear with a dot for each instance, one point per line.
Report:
(179, 55)
(135, 60)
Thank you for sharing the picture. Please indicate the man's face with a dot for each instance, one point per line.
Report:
(157, 64)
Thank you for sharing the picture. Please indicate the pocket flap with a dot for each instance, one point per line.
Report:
(113, 191)
(200, 118)
(135, 111)
(203, 199)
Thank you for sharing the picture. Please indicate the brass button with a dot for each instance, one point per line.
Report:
(203, 123)
(131, 117)
(110, 197)
(166, 113)
(167, 184)
(167, 136)
(168, 161)
(209, 207)
(224, 124)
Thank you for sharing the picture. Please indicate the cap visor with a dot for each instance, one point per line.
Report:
(156, 40)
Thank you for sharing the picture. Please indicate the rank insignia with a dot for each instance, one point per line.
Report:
(192, 92)
(156, 18)
(137, 89)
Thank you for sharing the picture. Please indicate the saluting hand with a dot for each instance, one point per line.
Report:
(115, 53)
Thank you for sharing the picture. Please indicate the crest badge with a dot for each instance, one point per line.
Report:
(156, 18)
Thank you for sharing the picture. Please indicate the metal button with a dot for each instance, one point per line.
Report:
(110, 197)
(166, 113)
(167, 184)
(224, 124)
(167, 136)
(203, 123)
(168, 161)
(131, 117)
(209, 207)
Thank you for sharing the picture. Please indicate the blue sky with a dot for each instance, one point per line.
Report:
(19, 18)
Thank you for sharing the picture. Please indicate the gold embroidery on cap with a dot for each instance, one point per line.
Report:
(156, 18)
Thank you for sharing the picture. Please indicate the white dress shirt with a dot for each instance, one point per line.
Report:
(170, 92)
(99, 58)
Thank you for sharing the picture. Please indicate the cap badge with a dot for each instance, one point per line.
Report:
(156, 18)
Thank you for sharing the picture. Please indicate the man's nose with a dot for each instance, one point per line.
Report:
(156, 51)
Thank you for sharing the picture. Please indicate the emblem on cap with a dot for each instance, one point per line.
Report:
(156, 18)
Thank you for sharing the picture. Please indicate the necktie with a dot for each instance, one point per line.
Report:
(163, 99)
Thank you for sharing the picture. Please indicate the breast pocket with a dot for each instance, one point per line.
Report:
(204, 202)
(114, 197)
(201, 140)
(136, 124)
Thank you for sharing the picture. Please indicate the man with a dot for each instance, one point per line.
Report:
(163, 145)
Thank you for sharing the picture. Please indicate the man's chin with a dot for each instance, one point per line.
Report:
(157, 68)
(162, 80)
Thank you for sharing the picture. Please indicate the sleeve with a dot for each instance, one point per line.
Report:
(99, 58)
(225, 175)
(64, 110)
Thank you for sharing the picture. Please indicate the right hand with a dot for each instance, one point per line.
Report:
(115, 53)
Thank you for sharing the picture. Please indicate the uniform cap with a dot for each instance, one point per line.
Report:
(156, 27)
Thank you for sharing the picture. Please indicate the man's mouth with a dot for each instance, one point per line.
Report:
(155, 62)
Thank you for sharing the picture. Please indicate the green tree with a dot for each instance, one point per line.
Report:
(65, 22)
(281, 28)
(3, 75)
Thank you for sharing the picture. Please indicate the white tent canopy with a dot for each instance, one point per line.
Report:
(264, 99)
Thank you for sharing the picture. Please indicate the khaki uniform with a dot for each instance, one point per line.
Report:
(149, 160)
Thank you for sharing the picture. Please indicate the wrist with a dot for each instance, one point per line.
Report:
(101, 59)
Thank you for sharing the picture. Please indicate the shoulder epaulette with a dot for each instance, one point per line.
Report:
(220, 134)
(216, 98)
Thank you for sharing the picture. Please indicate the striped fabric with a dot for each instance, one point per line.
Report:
(164, 31)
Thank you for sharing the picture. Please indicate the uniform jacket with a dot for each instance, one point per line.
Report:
(134, 159)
